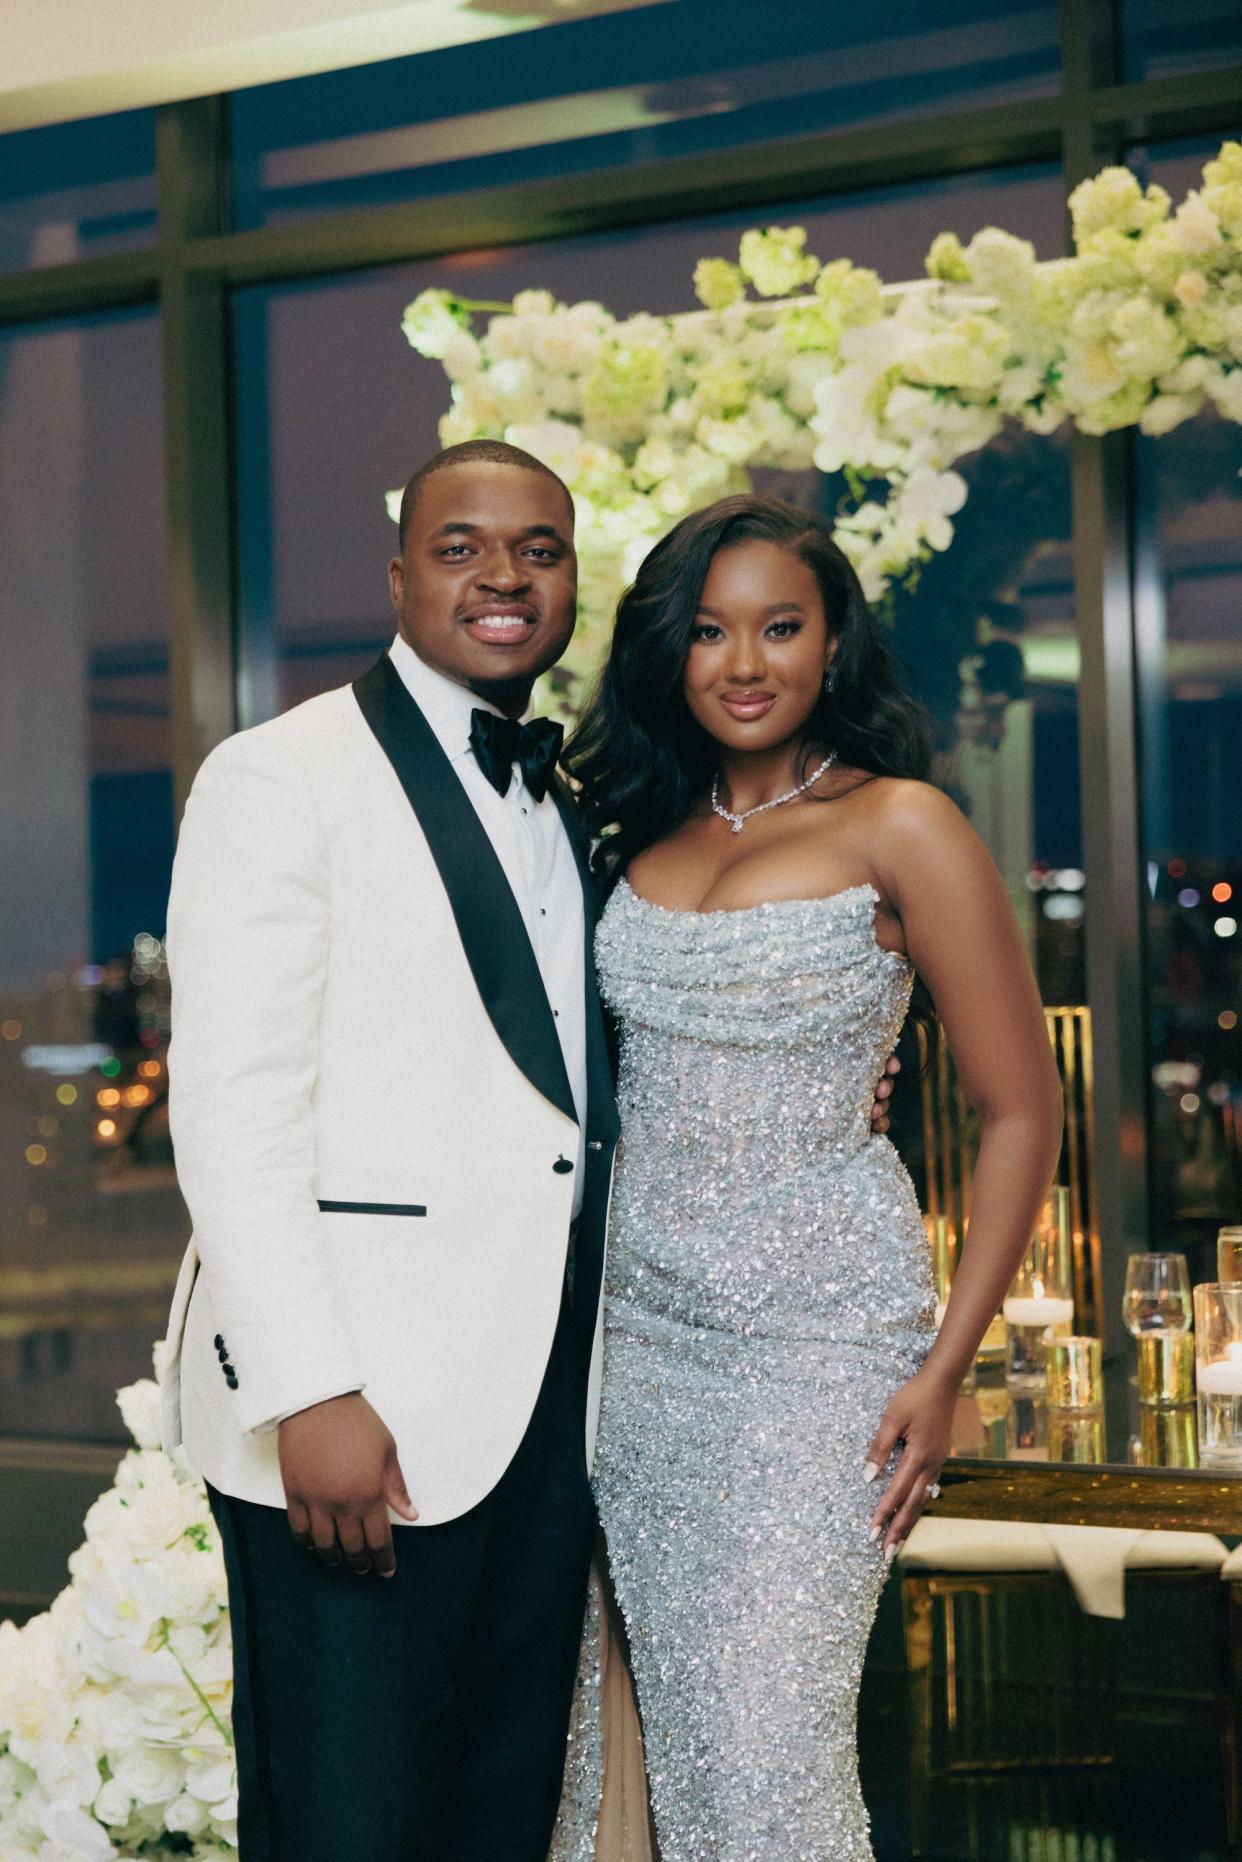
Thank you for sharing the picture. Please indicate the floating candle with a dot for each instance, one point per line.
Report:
(1047, 1310)
(1222, 1376)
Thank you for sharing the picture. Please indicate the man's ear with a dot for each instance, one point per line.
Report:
(396, 581)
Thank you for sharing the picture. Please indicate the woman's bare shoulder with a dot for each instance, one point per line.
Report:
(899, 803)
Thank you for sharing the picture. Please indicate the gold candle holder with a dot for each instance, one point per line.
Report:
(1166, 1368)
(1076, 1435)
(1075, 1373)
(1168, 1438)
(1229, 1254)
(944, 1260)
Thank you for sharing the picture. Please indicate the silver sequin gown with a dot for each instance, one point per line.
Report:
(769, 1288)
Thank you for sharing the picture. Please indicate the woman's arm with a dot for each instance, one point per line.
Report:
(963, 938)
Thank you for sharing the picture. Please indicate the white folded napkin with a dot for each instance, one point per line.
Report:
(1095, 1559)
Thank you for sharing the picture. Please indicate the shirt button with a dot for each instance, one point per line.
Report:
(543, 911)
(557, 1014)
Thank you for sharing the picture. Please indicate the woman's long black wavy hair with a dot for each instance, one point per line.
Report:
(643, 760)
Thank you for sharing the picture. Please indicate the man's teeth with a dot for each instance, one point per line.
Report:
(514, 622)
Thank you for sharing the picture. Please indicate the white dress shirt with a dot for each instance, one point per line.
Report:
(533, 848)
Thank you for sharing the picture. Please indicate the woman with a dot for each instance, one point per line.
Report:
(777, 1404)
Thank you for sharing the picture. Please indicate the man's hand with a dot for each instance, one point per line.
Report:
(883, 1092)
(341, 1474)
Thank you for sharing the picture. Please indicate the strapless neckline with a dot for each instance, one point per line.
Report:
(846, 894)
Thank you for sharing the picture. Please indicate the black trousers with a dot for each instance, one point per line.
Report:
(422, 1717)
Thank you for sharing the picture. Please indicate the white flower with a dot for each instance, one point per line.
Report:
(75, 1833)
(567, 342)
(151, 1774)
(113, 1804)
(534, 304)
(1195, 227)
(431, 322)
(926, 501)
(186, 1815)
(1225, 390)
(1167, 411)
(1000, 263)
(462, 355)
(140, 1412)
(125, 1602)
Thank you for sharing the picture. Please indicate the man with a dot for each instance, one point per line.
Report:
(395, 1126)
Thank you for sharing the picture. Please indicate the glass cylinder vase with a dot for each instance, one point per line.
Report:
(1039, 1304)
(1218, 1373)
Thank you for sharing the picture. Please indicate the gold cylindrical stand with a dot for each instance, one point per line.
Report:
(1076, 1435)
(1166, 1369)
(1075, 1373)
(1168, 1437)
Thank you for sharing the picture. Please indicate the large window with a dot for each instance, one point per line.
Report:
(1188, 619)
(633, 86)
(77, 190)
(90, 1220)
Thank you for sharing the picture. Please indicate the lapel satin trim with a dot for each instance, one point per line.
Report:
(600, 1095)
(489, 920)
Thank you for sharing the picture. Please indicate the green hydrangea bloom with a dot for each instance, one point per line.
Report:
(773, 259)
(718, 283)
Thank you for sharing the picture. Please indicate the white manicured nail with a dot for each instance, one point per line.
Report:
(890, 1552)
(871, 1471)
(873, 1535)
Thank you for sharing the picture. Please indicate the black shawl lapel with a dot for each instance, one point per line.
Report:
(603, 1112)
(489, 921)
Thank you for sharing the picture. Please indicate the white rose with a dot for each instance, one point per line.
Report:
(66, 1769)
(139, 1405)
(151, 1774)
(212, 1777)
(186, 1814)
(75, 1832)
(114, 1803)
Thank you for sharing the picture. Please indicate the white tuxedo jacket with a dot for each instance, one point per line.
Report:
(373, 1127)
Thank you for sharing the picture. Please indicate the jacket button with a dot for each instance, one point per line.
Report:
(231, 1382)
(227, 1369)
(218, 1342)
(562, 1166)
(222, 1352)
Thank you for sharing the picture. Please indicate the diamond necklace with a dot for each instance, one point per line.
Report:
(738, 822)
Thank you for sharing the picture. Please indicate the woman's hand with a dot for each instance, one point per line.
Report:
(920, 1417)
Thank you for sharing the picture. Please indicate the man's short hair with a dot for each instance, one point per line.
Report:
(472, 452)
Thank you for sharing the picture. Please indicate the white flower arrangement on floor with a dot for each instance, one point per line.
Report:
(115, 1703)
(648, 417)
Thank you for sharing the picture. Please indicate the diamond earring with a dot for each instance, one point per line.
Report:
(830, 680)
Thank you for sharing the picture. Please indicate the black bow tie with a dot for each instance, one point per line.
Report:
(498, 743)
